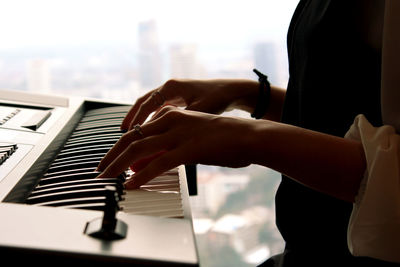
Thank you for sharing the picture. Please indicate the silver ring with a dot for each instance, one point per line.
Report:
(158, 98)
(138, 129)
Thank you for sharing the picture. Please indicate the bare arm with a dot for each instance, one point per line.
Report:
(325, 163)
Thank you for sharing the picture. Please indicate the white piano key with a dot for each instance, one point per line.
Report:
(161, 187)
(160, 197)
(142, 195)
(151, 202)
(151, 207)
(165, 178)
(163, 181)
(161, 213)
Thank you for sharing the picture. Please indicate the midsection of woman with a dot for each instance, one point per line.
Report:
(334, 50)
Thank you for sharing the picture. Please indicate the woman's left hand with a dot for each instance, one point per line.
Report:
(179, 137)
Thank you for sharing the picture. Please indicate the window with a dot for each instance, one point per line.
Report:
(119, 49)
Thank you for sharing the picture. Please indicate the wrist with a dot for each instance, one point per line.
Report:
(264, 96)
(243, 94)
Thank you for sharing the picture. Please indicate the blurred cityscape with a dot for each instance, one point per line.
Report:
(234, 218)
(124, 71)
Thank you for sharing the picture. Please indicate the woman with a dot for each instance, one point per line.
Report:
(335, 64)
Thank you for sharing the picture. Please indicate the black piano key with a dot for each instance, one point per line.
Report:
(96, 137)
(107, 110)
(103, 117)
(96, 192)
(98, 124)
(70, 177)
(75, 165)
(74, 177)
(70, 160)
(82, 153)
(120, 116)
(70, 171)
(97, 127)
(77, 144)
(76, 188)
(86, 147)
(117, 181)
(73, 201)
(97, 112)
(96, 132)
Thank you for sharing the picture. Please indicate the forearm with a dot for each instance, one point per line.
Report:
(326, 163)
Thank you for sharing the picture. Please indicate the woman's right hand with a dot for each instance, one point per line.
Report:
(210, 96)
(175, 136)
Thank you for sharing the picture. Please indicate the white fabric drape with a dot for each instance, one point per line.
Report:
(374, 228)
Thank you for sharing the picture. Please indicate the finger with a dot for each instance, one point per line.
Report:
(162, 111)
(125, 140)
(152, 128)
(146, 108)
(169, 93)
(142, 163)
(140, 149)
(159, 165)
(134, 109)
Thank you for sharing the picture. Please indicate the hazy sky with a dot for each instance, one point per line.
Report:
(70, 22)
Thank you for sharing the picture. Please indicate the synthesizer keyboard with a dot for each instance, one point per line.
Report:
(54, 208)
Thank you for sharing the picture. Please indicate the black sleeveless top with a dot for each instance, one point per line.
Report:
(334, 75)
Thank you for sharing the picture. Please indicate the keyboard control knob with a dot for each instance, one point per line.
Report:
(108, 227)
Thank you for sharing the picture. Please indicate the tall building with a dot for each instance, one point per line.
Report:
(150, 63)
(38, 76)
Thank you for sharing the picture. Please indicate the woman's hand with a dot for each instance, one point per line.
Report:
(182, 137)
(210, 96)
